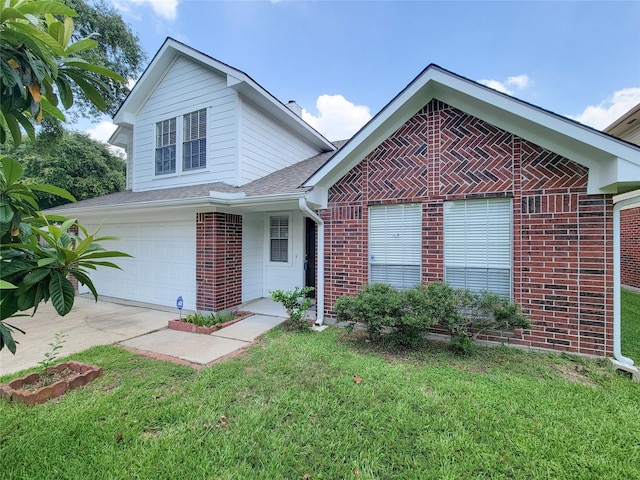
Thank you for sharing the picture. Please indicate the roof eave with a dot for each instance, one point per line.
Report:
(579, 143)
(211, 201)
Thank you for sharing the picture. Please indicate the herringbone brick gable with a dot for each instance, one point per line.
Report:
(474, 155)
(542, 169)
(349, 188)
(398, 167)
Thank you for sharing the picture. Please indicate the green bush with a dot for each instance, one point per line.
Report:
(423, 307)
(296, 303)
(481, 312)
(377, 306)
(410, 314)
(462, 344)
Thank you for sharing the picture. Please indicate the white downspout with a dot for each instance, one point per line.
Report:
(304, 208)
(617, 346)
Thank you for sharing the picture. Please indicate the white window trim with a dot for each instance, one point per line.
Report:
(180, 171)
(267, 236)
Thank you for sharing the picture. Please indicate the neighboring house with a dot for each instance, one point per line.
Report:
(231, 195)
(627, 128)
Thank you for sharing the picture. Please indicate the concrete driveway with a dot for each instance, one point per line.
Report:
(137, 326)
(87, 325)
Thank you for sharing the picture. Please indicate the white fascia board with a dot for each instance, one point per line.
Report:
(581, 144)
(215, 200)
(635, 194)
(317, 197)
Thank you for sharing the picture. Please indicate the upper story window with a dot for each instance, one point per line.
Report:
(184, 136)
(166, 146)
(194, 146)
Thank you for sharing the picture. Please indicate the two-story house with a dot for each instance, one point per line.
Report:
(231, 195)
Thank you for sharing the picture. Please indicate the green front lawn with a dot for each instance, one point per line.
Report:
(630, 327)
(290, 407)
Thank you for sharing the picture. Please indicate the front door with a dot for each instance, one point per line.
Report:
(310, 255)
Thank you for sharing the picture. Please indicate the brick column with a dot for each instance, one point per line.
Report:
(218, 261)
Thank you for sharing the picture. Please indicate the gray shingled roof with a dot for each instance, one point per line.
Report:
(287, 180)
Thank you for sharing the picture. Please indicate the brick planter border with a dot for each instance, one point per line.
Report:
(14, 392)
(183, 326)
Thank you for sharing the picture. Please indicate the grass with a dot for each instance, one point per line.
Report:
(207, 320)
(630, 327)
(290, 407)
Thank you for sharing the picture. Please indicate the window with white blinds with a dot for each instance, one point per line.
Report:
(194, 146)
(478, 244)
(395, 244)
(279, 238)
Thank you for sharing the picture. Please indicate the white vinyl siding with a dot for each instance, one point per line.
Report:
(395, 244)
(166, 146)
(185, 88)
(194, 140)
(478, 244)
(279, 238)
(266, 146)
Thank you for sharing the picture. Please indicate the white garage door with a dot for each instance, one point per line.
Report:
(163, 266)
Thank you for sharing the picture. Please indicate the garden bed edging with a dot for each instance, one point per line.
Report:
(14, 392)
(183, 326)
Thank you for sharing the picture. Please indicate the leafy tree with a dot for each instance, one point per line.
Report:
(118, 49)
(39, 252)
(71, 160)
(40, 66)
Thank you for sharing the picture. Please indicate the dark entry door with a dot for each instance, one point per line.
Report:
(310, 255)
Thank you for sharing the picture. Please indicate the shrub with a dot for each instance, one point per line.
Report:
(462, 344)
(424, 306)
(410, 314)
(377, 306)
(296, 303)
(209, 319)
(481, 312)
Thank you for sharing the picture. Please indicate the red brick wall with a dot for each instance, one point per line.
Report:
(630, 247)
(218, 261)
(562, 265)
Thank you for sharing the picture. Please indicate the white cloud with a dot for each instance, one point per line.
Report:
(602, 115)
(165, 8)
(519, 82)
(338, 118)
(101, 132)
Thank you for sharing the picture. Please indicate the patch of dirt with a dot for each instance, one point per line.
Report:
(46, 380)
(573, 372)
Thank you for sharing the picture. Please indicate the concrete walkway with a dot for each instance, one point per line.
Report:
(139, 327)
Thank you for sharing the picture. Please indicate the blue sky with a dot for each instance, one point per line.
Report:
(343, 61)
